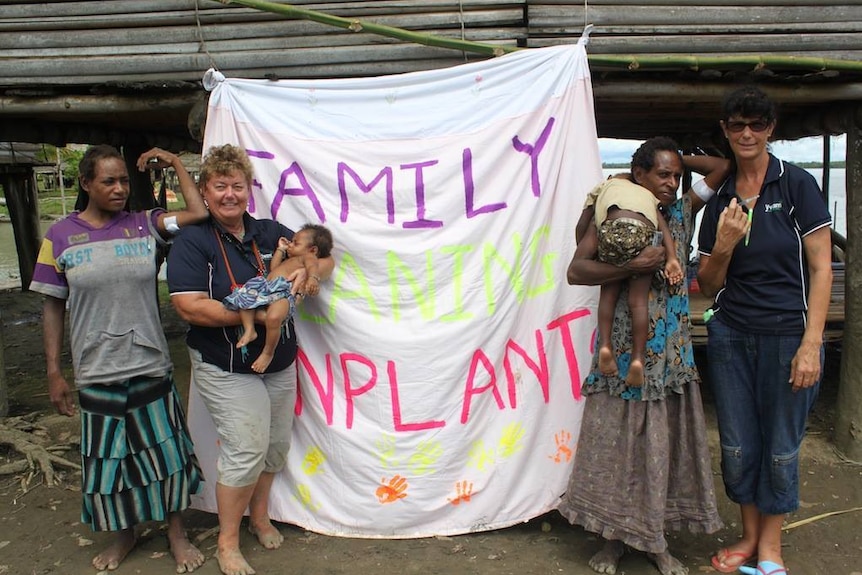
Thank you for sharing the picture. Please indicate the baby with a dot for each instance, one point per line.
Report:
(627, 219)
(308, 244)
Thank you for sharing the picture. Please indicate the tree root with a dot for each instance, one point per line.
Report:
(30, 446)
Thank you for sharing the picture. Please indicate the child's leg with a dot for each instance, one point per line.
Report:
(249, 334)
(276, 313)
(639, 307)
(608, 297)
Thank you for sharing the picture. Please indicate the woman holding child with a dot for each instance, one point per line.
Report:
(642, 465)
(252, 412)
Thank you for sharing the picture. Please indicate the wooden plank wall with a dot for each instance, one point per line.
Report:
(75, 42)
(91, 42)
(824, 29)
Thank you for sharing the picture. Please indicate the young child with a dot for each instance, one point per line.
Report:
(627, 218)
(308, 244)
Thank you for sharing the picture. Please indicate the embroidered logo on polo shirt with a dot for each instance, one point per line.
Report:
(776, 207)
(79, 238)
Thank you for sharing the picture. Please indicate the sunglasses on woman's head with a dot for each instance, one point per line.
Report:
(737, 126)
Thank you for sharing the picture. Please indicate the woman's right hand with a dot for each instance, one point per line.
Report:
(61, 395)
(647, 261)
(733, 225)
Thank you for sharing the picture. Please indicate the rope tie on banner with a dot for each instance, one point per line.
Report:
(585, 35)
(202, 45)
(463, 31)
(586, 14)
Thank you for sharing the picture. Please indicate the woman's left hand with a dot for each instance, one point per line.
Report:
(805, 367)
(299, 279)
(155, 158)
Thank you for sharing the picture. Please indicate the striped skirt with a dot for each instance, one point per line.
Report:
(137, 456)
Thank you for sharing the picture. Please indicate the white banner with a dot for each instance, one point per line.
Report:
(440, 367)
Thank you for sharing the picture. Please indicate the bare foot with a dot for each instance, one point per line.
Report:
(262, 362)
(110, 558)
(232, 562)
(246, 338)
(187, 556)
(607, 361)
(635, 378)
(608, 559)
(668, 564)
(267, 534)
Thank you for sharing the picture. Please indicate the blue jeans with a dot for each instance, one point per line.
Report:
(761, 420)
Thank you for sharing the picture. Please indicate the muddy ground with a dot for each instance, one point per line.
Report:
(40, 531)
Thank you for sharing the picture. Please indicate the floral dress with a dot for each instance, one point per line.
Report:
(642, 466)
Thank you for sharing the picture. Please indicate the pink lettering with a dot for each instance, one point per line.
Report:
(396, 406)
(540, 369)
(480, 357)
(351, 392)
(562, 323)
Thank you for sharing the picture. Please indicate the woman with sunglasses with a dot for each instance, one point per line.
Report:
(765, 256)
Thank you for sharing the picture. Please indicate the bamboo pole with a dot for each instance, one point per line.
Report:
(356, 25)
(615, 61)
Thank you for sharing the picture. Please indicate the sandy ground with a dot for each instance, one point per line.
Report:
(40, 531)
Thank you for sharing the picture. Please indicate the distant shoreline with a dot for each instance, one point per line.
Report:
(807, 165)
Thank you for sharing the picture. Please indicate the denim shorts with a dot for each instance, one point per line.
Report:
(761, 420)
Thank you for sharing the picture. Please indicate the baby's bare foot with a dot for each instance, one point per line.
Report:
(246, 338)
(262, 362)
(635, 378)
(607, 361)
(110, 558)
(232, 562)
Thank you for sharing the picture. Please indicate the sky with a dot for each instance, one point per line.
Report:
(804, 150)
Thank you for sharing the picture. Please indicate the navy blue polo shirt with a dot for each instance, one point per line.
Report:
(766, 287)
(197, 264)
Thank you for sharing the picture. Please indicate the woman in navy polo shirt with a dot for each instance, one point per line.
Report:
(252, 412)
(765, 255)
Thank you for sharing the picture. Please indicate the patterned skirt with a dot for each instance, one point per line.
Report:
(642, 468)
(260, 292)
(137, 455)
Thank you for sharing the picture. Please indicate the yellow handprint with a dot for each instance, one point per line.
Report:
(510, 442)
(392, 491)
(386, 451)
(303, 495)
(562, 440)
(427, 454)
(463, 490)
(313, 461)
(480, 456)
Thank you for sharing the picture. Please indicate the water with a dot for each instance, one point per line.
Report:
(10, 276)
(837, 195)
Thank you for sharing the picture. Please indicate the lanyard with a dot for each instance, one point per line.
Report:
(261, 270)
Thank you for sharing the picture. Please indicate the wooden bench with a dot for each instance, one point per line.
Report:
(698, 303)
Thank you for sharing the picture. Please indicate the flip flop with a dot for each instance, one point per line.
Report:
(729, 566)
(764, 568)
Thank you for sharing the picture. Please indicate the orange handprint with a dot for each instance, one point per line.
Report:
(392, 491)
(563, 451)
(464, 490)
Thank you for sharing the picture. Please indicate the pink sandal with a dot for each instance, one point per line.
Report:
(725, 566)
